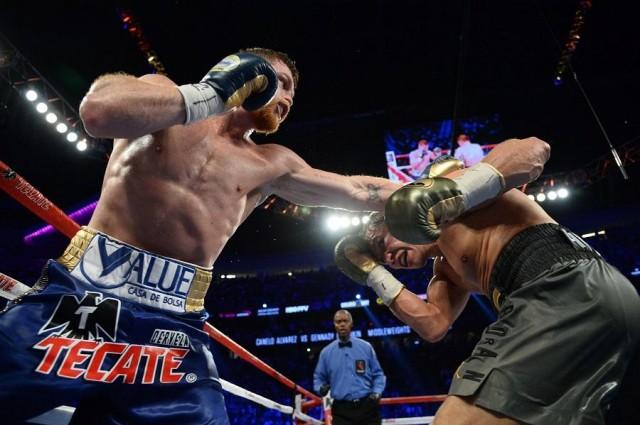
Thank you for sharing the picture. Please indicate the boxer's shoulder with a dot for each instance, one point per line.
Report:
(282, 157)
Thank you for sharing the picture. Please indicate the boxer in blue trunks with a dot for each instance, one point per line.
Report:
(114, 326)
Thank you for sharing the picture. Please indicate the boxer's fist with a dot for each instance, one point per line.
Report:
(243, 79)
(354, 259)
(415, 212)
(442, 166)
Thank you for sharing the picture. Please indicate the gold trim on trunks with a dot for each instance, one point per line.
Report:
(195, 297)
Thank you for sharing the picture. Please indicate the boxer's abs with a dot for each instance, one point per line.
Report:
(168, 220)
(180, 209)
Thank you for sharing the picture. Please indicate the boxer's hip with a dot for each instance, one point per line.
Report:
(114, 267)
(532, 253)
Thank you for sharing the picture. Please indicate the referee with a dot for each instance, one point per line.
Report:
(349, 368)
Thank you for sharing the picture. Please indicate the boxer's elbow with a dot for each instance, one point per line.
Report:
(95, 115)
(431, 330)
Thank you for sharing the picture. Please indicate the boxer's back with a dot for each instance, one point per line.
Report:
(473, 243)
(183, 191)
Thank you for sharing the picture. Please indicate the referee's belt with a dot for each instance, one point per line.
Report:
(351, 402)
(114, 267)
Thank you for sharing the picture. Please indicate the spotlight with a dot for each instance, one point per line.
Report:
(552, 195)
(308, 350)
(289, 274)
(31, 95)
(355, 221)
(343, 222)
(62, 127)
(530, 196)
(365, 219)
(73, 136)
(51, 117)
(82, 145)
(358, 296)
(333, 223)
(540, 197)
(563, 193)
(264, 306)
(41, 107)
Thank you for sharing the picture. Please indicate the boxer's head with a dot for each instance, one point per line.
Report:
(391, 251)
(267, 119)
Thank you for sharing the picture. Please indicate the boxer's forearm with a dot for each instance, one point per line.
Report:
(317, 188)
(519, 160)
(122, 106)
(424, 318)
(370, 193)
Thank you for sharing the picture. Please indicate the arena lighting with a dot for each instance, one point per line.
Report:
(333, 223)
(31, 95)
(593, 234)
(72, 136)
(32, 86)
(264, 306)
(540, 197)
(289, 274)
(343, 222)
(563, 193)
(308, 350)
(61, 127)
(82, 145)
(340, 222)
(552, 195)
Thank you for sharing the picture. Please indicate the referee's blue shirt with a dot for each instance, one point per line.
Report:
(352, 372)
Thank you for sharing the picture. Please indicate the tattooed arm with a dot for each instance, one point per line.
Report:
(309, 186)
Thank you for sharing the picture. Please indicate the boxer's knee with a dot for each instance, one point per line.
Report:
(461, 411)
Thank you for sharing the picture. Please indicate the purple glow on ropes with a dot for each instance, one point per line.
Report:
(83, 212)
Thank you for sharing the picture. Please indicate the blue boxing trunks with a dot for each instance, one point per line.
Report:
(116, 332)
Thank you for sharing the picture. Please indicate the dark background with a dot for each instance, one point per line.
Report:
(367, 67)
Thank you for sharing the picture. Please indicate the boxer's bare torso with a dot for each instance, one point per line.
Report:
(184, 191)
(472, 244)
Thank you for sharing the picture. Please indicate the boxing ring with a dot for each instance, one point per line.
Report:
(24, 193)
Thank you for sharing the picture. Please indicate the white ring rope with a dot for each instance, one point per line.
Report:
(256, 398)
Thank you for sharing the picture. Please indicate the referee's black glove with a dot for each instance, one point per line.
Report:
(324, 389)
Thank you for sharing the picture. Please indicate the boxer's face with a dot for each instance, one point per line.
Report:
(397, 254)
(268, 118)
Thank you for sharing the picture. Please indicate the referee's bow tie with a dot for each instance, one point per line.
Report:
(344, 344)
